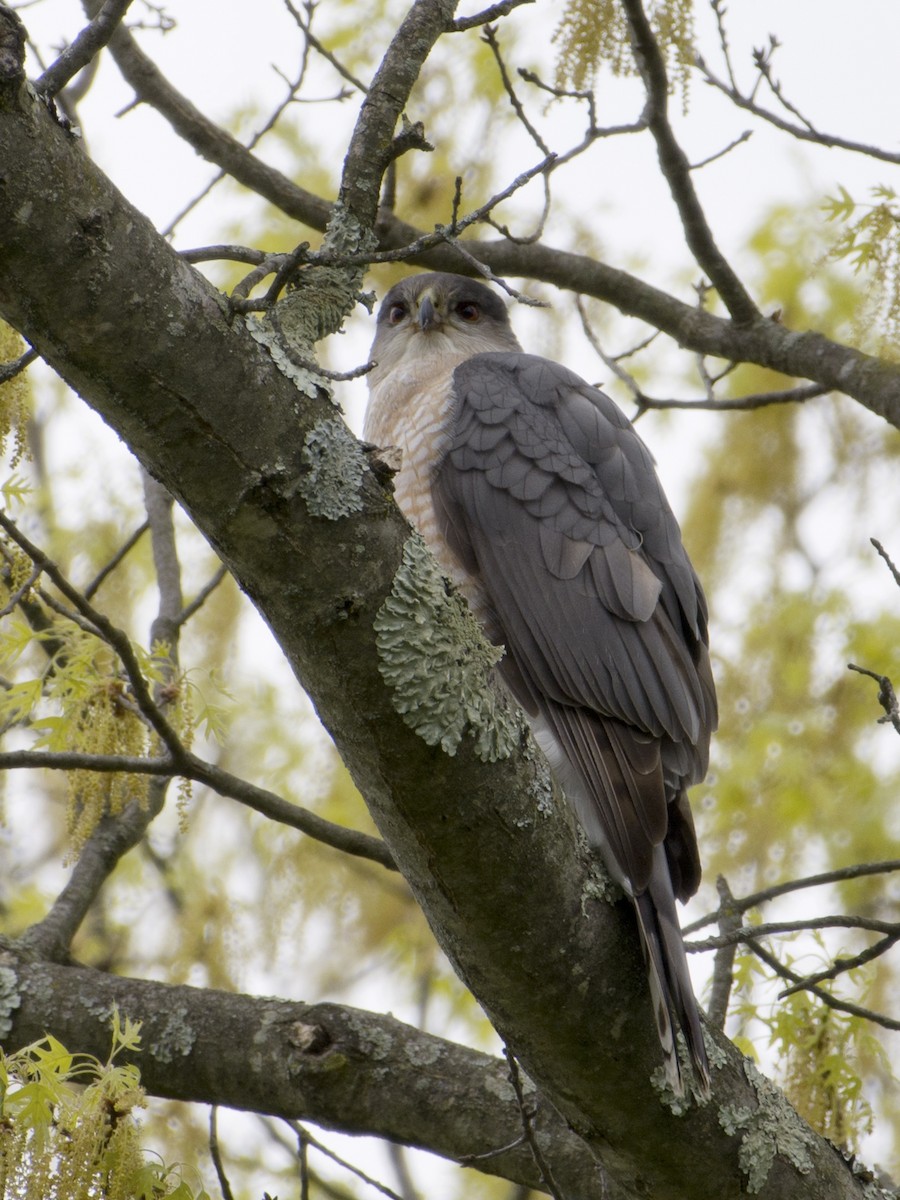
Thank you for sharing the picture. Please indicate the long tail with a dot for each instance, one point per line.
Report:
(670, 980)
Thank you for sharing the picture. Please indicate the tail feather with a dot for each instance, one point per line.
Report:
(674, 1005)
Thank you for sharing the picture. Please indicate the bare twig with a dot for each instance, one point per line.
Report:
(738, 933)
(826, 997)
(503, 9)
(677, 171)
(105, 571)
(797, 395)
(526, 1111)
(91, 40)
(887, 558)
(322, 50)
(228, 253)
(803, 132)
(841, 965)
(203, 595)
(290, 97)
(189, 766)
(723, 966)
(711, 158)
(104, 628)
(490, 37)
(839, 875)
(302, 1132)
(216, 1155)
(887, 697)
(9, 370)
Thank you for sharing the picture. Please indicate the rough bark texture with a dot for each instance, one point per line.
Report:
(341, 1067)
(491, 856)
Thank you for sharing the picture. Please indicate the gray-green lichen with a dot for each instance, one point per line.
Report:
(301, 375)
(315, 306)
(680, 1103)
(334, 470)
(176, 1037)
(773, 1128)
(438, 664)
(9, 998)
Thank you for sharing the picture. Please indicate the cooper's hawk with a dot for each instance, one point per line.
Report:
(542, 504)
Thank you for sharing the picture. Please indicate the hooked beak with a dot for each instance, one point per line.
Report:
(427, 316)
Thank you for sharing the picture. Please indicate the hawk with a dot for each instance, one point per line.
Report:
(542, 504)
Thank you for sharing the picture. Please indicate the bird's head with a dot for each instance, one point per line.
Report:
(441, 315)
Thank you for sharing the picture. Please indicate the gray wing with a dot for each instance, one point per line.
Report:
(551, 499)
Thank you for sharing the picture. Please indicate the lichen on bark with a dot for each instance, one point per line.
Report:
(438, 664)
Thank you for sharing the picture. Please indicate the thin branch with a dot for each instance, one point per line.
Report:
(841, 966)
(208, 139)
(104, 628)
(293, 88)
(105, 571)
(322, 50)
(9, 370)
(723, 966)
(846, 1006)
(887, 697)
(490, 37)
(839, 875)
(188, 766)
(677, 171)
(226, 253)
(202, 596)
(738, 933)
(309, 1140)
(732, 145)
(89, 42)
(887, 558)
(502, 9)
(443, 234)
(110, 840)
(369, 151)
(216, 1155)
(803, 132)
(21, 592)
(526, 1110)
(797, 395)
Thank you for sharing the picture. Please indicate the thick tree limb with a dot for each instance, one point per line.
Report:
(340, 1067)
(492, 859)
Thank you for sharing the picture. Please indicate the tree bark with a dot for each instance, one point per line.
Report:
(339, 1067)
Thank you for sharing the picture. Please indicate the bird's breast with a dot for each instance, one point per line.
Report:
(411, 410)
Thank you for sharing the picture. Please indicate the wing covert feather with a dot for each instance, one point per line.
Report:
(553, 498)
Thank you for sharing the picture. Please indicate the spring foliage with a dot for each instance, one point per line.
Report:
(68, 1129)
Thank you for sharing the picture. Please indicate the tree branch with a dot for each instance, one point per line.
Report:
(677, 171)
(340, 1067)
(370, 149)
(188, 766)
(808, 355)
(803, 133)
(89, 42)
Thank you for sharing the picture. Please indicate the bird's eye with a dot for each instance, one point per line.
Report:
(468, 310)
(397, 313)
